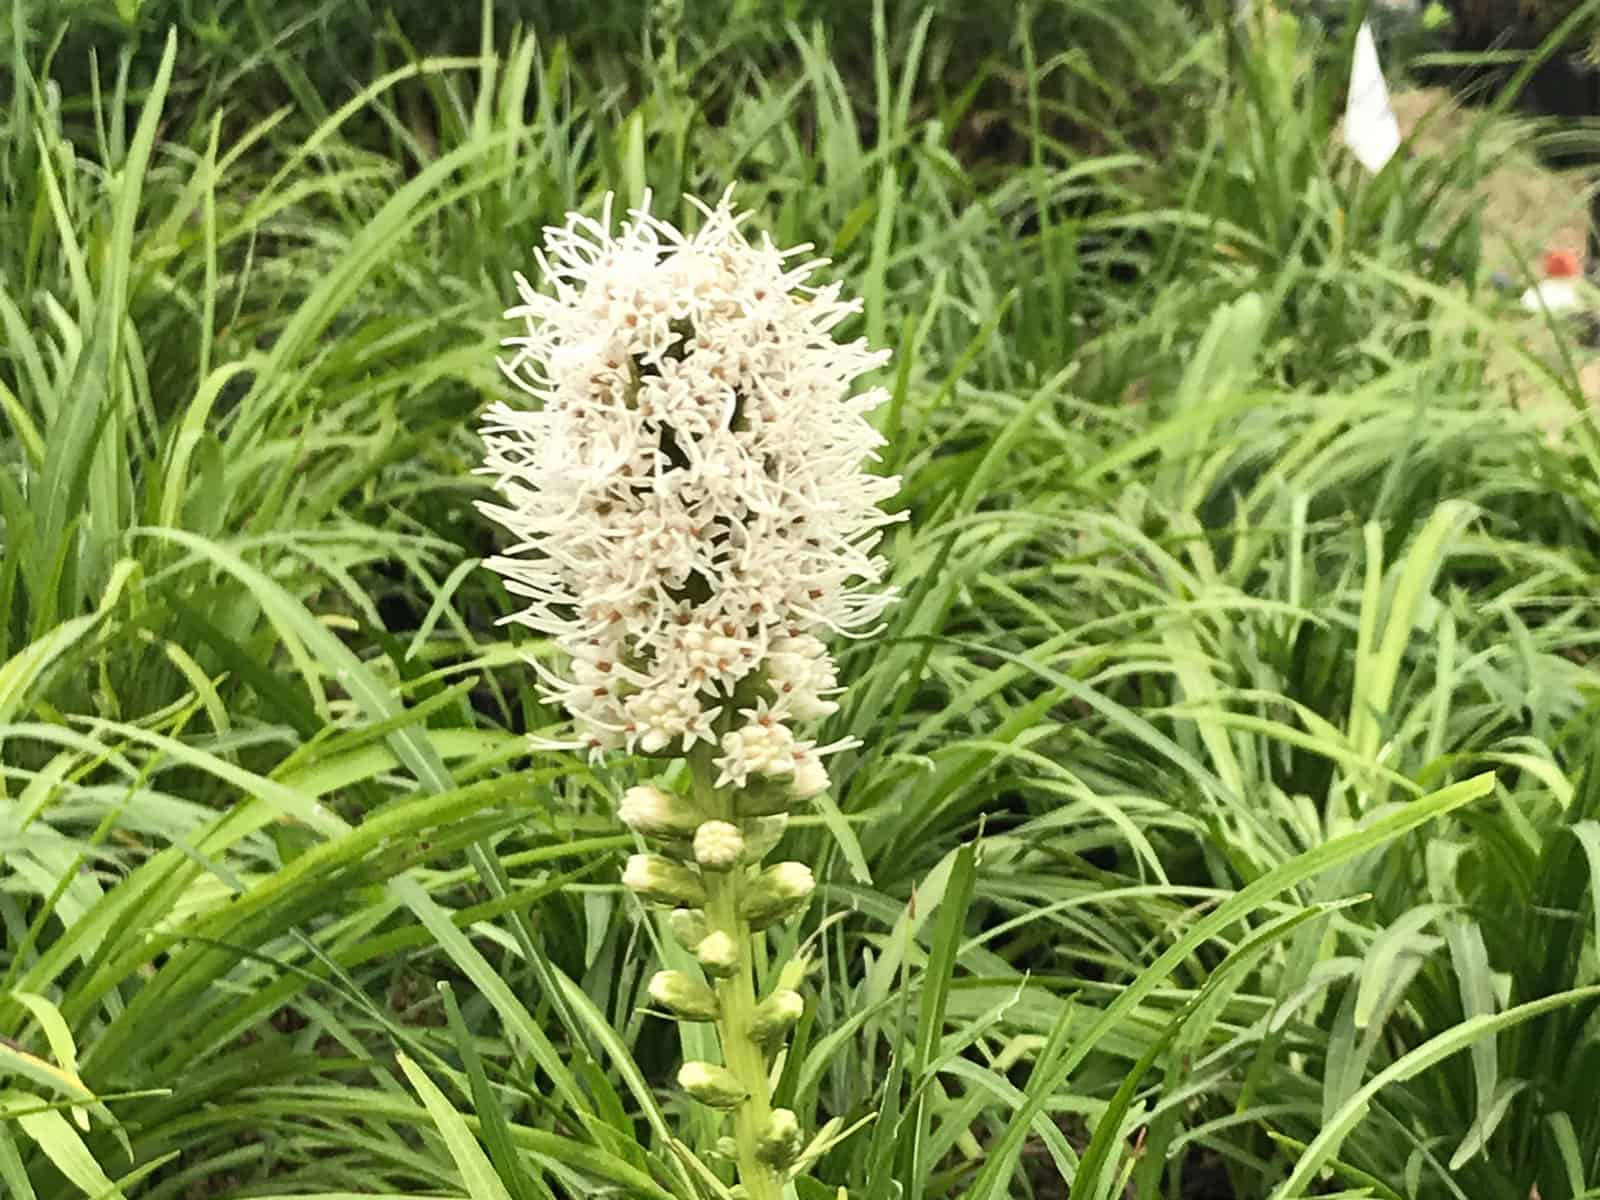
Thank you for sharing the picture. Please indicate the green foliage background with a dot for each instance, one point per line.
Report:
(1228, 814)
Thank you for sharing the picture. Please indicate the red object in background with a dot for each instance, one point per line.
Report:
(1560, 264)
(1560, 290)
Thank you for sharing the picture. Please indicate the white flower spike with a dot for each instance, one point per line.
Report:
(687, 496)
(691, 517)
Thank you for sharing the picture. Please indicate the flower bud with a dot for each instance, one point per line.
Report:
(794, 972)
(688, 925)
(718, 955)
(764, 797)
(810, 779)
(778, 893)
(711, 1085)
(775, 1016)
(718, 845)
(662, 881)
(779, 1143)
(686, 998)
(761, 834)
(651, 812)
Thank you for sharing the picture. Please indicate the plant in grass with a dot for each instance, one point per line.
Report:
(690, 512)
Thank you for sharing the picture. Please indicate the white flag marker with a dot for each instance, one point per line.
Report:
(1371, 129)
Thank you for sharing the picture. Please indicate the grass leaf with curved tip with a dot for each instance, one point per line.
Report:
(1441, 1046)
(477, 1173)
(990, 1184)
(61, 1143)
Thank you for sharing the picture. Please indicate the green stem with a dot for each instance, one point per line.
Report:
(740, 1054)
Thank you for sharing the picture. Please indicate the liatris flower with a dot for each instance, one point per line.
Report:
(655, 813)
(776, 1015)
(687, 998)
(687, 496)
(718, 845)
(779, 890)
(691, 515)
(711, 1084)
(780, 1140)
(663, 881)
(718, 954)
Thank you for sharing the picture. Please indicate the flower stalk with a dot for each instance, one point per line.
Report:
(723, 901)
(742, 1054)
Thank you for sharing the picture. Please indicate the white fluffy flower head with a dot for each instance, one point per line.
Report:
(686, 494)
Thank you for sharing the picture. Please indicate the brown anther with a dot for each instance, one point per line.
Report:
(603, 666)
(600, 691)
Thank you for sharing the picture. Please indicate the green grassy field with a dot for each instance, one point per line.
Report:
(1227, 816)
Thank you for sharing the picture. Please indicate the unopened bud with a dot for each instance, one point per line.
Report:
(778, 892)
(662, 881)
(810, 779)
(779, 1143)
(688, 925)
(761, 834)
(718, 955)
(654, 813)
(775, 1016)
(718, 845)
(794, 972)
(711, 1085)
(686, 998)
